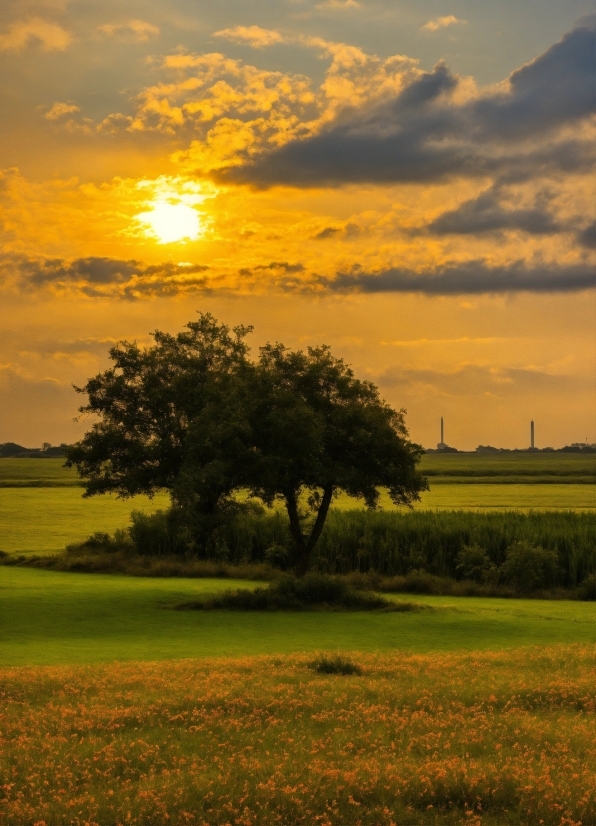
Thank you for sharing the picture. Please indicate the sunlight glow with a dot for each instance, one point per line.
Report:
(172, 216)
(171, 222)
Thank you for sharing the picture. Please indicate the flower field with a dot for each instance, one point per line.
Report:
(477, 738)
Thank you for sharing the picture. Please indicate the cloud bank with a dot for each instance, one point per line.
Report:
(426, 133)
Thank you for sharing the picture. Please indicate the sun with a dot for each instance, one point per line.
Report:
(172, 216)
(171, 222)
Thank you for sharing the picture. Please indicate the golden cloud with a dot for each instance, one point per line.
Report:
(442, 23)
(35, 32)
(137, 30)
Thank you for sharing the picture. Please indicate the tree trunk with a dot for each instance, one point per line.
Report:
(305, 546)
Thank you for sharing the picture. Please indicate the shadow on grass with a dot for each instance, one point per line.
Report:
(312, 592)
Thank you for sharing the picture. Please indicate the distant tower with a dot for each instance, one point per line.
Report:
(441, 444)
(532, 434)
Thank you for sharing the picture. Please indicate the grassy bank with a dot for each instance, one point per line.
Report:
(51, 618)
(483, 738)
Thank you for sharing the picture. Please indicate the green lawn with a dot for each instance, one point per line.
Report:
(55, 618)
(45, 520)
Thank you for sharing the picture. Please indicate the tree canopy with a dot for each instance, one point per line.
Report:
(193, 415)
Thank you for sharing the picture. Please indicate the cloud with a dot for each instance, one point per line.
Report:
(137, 30)
(58, 110)
(441, 23)
(35, 32)
(102, 276)
(274, 266)
(254, 36)
(337, 5)
(476, 380)
(468, 277)
(328, 232)
(486, 214)
(587, 236)
(427, 132)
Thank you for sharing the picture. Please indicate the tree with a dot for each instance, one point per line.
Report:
(158, 407)
(318, 430)
(193, 416)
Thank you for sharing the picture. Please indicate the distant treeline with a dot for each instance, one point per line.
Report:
(11, 450)
(388, 543)
(576, 447)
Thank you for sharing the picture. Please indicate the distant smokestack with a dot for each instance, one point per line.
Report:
(532, 434)
(442, 440)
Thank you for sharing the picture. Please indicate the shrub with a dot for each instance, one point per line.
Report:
(418, 545)
(102, 543)
(529, 567)
(473, 562)
(314, 591)
(587, 589)
(334, 665)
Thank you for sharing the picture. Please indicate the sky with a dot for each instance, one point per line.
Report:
(409, 181)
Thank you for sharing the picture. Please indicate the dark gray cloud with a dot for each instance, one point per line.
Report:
(282, 266)
(587, 237)
(423, 135)
(469, 277)
(97, 270)
(328, 232)
(486, 214)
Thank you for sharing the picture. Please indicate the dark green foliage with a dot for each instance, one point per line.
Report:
(317, 430)
(422, 548)
(103, 543)
(473, 562)
(167, 422)
(192, 415)
(335, 665)
(529, 567)
(313, 591)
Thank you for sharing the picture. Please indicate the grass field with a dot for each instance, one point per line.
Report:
(485, 468)
(531, 467)
(50, 618)
(490, 738)
(117, 709)
(46, 519)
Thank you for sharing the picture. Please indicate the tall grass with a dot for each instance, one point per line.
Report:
(389, 543)
(397, 543)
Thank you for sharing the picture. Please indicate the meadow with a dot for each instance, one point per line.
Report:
(49, 618)
(117, 709)
(489, 738)
(42, 510)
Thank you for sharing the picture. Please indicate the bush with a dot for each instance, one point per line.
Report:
(156, 534)
(103, 543)
(314, 591)
(529, 567)
(422, 546)
(473, 562)
(334, 665)
(587, 589)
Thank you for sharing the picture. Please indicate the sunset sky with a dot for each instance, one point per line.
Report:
(409, 181)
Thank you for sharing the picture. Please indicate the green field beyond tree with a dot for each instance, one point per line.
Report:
(42, 510)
